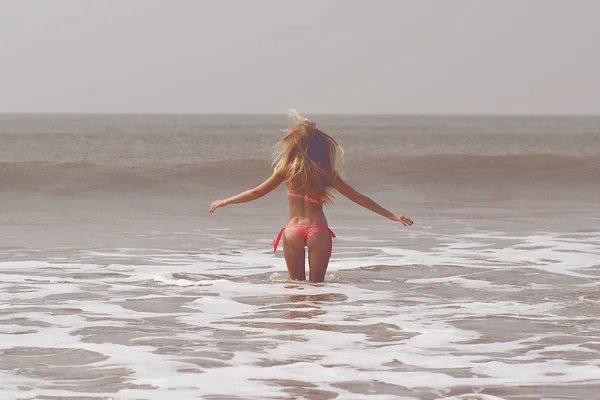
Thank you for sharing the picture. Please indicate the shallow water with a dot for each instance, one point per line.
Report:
(508, 316)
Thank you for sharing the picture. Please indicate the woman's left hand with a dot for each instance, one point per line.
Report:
(217, 204)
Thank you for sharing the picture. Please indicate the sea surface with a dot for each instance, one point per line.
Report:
(116, 282)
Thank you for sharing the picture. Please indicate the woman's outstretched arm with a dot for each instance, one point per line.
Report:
(362, 200)
(267, 186)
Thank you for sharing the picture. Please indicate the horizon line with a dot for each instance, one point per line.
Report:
(348, 114)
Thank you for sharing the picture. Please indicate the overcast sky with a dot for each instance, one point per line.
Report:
(319, 56)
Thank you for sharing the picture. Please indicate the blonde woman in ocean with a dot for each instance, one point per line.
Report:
(305, 161)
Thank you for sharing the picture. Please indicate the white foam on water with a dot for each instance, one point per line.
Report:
(472, 396)
(231, 323)
(476, 284)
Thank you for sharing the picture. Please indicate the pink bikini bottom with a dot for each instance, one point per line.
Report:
(304, 231)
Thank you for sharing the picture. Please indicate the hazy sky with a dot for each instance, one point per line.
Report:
(319, 56)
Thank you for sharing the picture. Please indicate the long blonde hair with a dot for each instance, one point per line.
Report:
(306, 158)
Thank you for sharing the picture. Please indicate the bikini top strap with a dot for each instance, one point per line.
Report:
(306, 198)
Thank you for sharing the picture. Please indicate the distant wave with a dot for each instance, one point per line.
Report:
(455, 168)
(425, 170)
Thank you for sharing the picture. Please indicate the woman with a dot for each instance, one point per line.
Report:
(306, 163)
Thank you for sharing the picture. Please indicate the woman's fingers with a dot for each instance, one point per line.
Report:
(403, 219)
(217, 204)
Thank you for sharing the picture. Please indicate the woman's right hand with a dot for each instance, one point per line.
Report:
(402, 218)
(217, 204)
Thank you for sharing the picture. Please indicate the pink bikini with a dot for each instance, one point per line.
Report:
(306, 198)
(304, 231)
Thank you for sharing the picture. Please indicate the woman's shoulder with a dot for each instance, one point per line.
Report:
(278, 170)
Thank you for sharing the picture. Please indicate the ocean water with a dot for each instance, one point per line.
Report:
(116, 282)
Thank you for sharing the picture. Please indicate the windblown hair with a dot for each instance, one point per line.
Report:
(306, 158)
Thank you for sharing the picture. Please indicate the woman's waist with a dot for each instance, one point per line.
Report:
(304, 220)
